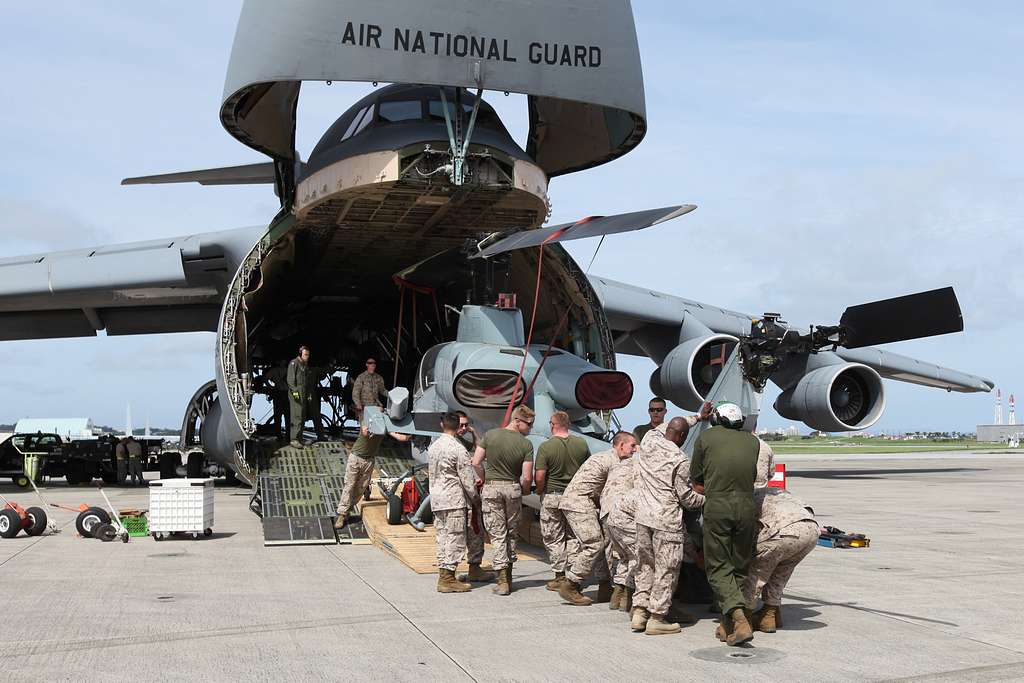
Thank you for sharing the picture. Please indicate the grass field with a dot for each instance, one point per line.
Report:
(858, 444)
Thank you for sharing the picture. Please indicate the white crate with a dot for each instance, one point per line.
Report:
(184, 505)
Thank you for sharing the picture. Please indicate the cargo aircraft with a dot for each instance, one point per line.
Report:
(412, 233)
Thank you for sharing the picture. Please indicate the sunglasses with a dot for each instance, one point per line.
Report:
(528, 424)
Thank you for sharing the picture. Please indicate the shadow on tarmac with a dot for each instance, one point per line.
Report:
(877, 473)
(814, 602)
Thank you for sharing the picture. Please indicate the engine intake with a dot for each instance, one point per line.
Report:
(836, 398)
(690, 370)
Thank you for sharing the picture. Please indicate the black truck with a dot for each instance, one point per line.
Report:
(78, 461)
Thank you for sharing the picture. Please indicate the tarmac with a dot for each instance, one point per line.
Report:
(936, 597)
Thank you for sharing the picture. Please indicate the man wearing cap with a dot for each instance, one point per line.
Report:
(452, 492)
(724, 469)
(656, 408)
(369, 389)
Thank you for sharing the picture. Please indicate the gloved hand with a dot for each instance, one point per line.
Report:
(295, 395)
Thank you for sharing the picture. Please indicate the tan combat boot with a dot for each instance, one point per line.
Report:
(604, 591)
(658, 626)
(618, 595)
(570, 592)
(638, 622)
(627, 600)
(556, 583)
(340, 522)
(447, 583)
(478, 575)
(741, 631)
(504, 584)
(767, 619)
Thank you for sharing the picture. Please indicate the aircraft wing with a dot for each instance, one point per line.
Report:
(167, 285)
(649, 323)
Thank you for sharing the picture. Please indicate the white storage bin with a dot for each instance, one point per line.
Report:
(180, 505)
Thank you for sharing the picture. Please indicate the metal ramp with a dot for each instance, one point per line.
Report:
(297, 495)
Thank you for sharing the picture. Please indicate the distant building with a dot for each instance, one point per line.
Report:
(70, 428)
(998, 433)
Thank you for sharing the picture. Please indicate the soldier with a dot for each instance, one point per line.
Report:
(134, 449)
(452, 492)
(121, 455)
(787, 532)
(359, 470)
(618, 507)
(298, 394)
(662, 493)
(369, 389)
(467, 436)
(725, 467)
(656, 408)
(558, 459)
(277, 386)
(579, 505)
(504, 467)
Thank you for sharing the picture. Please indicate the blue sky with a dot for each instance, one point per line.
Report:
(838, 154)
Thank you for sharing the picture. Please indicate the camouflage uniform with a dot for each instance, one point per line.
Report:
(452, 489)
(358, 470)
(619, 552)
(765, 465)
(502, 503)
(134, 449)
(579, 505)
(662, 490)
(474, 535)
(554, 529)
(367, 391)
(505, 451)
(786, 534)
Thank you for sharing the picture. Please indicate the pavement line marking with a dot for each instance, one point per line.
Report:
(992, 672)
(399, 611)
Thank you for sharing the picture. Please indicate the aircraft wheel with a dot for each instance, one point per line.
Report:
(394, 510)
(169, 465)
(194, 466)
(37, 521)
(105, 532)
(21, 481)
(10, 523)
(87, 520)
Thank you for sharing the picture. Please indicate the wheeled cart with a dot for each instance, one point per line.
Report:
(180, 506)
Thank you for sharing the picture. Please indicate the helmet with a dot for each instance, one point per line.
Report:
(727, 414)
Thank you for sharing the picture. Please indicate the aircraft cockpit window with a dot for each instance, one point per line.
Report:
(400, 110)
(359, 121)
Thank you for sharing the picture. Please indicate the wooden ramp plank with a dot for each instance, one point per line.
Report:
(417, 550)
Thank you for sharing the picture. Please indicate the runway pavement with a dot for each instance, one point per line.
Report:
(936, 596)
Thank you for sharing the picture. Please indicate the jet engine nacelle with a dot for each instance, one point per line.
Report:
(690, 370)
(843, 397)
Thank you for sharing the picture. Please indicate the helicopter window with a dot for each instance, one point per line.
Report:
(359, 121)
(400, 110)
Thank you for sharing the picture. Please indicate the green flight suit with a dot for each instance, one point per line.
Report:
(725, 462)
(298, 395)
